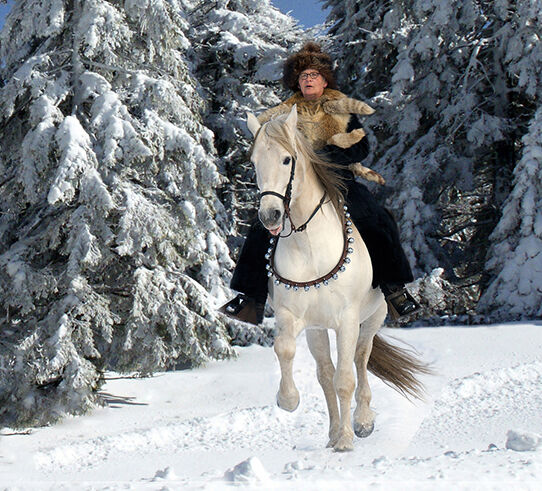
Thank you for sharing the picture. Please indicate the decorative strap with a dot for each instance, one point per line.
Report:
(322, 280)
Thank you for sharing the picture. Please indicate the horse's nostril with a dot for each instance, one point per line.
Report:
(270, 217)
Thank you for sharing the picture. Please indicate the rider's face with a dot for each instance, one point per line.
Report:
(311, 83)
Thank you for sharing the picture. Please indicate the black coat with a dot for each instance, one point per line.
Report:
(375, 223)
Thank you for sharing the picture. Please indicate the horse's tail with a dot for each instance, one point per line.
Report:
(397, 367)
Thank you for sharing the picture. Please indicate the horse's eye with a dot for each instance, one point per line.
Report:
(286, 161)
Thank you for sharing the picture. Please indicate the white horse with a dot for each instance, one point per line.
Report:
(321, 275)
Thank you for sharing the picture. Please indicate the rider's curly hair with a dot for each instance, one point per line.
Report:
(310, 56)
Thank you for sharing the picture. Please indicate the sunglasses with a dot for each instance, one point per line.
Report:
(307, 76)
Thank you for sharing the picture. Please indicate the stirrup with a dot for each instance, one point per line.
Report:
(401, 303)
(245, 309)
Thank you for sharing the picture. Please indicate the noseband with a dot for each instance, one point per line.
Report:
(287, 197)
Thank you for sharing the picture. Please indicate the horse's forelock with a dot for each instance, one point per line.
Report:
(278, 130)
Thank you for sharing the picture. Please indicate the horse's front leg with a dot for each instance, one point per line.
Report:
(285, 345)
(344, 382)
(318, 341)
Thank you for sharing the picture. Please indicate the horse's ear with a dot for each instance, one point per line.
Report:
(253, 124)
(291, 120)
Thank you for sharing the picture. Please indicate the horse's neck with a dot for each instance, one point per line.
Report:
(307, 201)
(308, 196)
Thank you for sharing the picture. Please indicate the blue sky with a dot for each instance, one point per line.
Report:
(4, 9)
(308, 12)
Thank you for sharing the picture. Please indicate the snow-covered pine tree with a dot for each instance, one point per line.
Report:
(452, 105)
(239, 49)
(514, 262)
(515, 257)
(109, 241)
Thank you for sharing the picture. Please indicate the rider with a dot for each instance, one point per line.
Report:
(328, 120)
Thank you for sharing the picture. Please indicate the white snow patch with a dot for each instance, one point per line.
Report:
(219, 426)
(522, 441)
(248, 471)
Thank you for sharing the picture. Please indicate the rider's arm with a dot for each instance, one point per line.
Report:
(355, 153)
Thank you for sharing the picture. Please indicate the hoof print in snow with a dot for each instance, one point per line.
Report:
(298, 465)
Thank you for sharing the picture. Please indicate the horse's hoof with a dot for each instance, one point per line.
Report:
(332, 442)
(344, 445)
(363, 431)
(289, 406)
(333, 439)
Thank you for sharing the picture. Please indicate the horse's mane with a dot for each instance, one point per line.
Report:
(325, 170)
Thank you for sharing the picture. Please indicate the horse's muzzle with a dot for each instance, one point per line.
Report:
(271, 218)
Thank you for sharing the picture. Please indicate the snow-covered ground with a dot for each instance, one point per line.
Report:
(480, 427)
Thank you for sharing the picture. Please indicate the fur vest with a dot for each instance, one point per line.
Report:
(323, 121)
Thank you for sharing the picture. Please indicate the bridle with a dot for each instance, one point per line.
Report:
(287, 197)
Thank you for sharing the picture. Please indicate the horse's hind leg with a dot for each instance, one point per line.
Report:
(318, 341)
(363, 415)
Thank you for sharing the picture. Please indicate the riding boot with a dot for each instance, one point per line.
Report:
(244, 309)
(400, 301)
(250, 278)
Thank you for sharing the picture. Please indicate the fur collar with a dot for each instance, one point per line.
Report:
(325, 120)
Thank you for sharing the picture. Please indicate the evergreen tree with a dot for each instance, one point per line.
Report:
(454, 83)
(515, 257)
(110, 237)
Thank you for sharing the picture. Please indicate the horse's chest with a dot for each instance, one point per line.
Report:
(304, 262)
(319, 308)
(328, 304)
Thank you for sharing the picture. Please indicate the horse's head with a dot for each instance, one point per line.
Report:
(274, 159)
